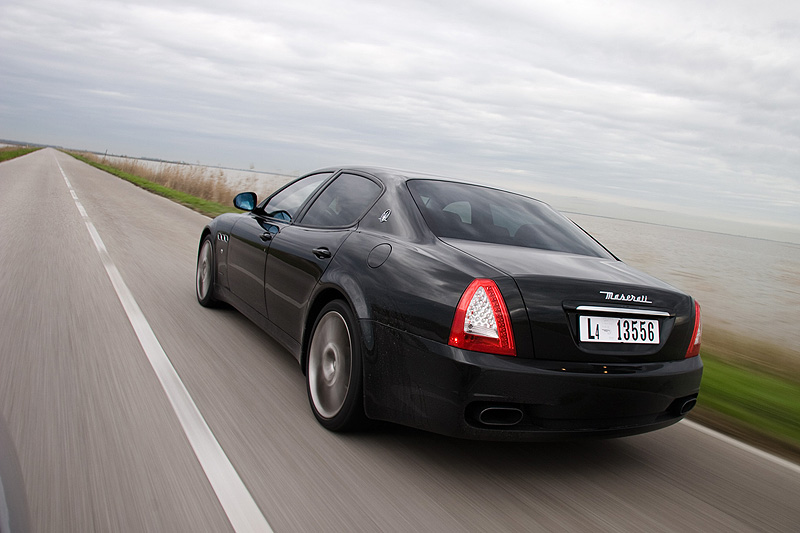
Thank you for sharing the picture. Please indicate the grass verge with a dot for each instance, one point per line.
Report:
(749, 399)
(752, 404)
(206, 207)
(10, 152)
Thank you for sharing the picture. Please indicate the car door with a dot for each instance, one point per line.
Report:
(252, 235)
(300, 253)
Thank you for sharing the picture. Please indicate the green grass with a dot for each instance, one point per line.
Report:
(760, 401)
(11, 152)
(200, 205)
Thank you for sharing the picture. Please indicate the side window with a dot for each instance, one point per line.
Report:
(343, 202)
(286, 202)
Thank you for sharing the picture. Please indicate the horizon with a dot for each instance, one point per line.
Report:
(565, 203)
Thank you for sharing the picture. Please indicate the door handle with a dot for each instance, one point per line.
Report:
(266, 236)
(322, 252)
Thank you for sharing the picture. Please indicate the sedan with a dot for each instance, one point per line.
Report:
(454, 308)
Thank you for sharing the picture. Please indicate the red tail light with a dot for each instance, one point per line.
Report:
(482, 322)
(697, 334)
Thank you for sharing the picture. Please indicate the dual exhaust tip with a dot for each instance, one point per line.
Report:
(511, 416)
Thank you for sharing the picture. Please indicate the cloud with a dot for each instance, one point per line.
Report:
(695, 104)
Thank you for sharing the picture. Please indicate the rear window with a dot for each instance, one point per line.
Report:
(475, 213)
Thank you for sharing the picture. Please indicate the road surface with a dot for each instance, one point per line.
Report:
(101, 447)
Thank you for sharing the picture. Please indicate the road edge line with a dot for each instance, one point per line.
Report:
(780, 461)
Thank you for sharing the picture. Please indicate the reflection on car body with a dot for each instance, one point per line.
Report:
(454, 308)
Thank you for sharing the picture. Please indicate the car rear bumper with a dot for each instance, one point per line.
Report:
(428, 385)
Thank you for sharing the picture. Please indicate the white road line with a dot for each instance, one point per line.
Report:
(242, 511)
(742, 446)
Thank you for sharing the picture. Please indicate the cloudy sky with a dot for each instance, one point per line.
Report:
(688, 107)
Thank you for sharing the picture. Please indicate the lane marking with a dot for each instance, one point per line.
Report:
(237, 502)
(742, 446)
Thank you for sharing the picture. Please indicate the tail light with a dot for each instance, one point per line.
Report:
(482, 322)
(697, 334)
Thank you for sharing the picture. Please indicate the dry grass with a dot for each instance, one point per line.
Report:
(203, 182)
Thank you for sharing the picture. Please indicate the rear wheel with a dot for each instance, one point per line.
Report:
(333, 371)
(205, 274)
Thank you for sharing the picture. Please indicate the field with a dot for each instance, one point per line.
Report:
(10, 152)
(205, 190)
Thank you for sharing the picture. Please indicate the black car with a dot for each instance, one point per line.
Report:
(455, 308)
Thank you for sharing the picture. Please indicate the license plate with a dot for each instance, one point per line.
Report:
(618, 330)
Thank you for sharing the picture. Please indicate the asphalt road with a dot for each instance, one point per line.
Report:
(101, 448)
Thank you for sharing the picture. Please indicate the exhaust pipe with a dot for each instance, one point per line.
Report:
(500, 416)
(687, 406)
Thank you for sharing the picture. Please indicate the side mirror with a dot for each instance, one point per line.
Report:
(246, 201)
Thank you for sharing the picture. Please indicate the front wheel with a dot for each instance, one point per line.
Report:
(205, 274)
(333, 369)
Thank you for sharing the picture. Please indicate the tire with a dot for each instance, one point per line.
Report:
(204, 279)
(333, 369)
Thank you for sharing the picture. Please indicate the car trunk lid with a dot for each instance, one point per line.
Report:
(592, 309)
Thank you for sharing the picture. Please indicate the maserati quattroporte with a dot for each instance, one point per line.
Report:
(455, 308)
